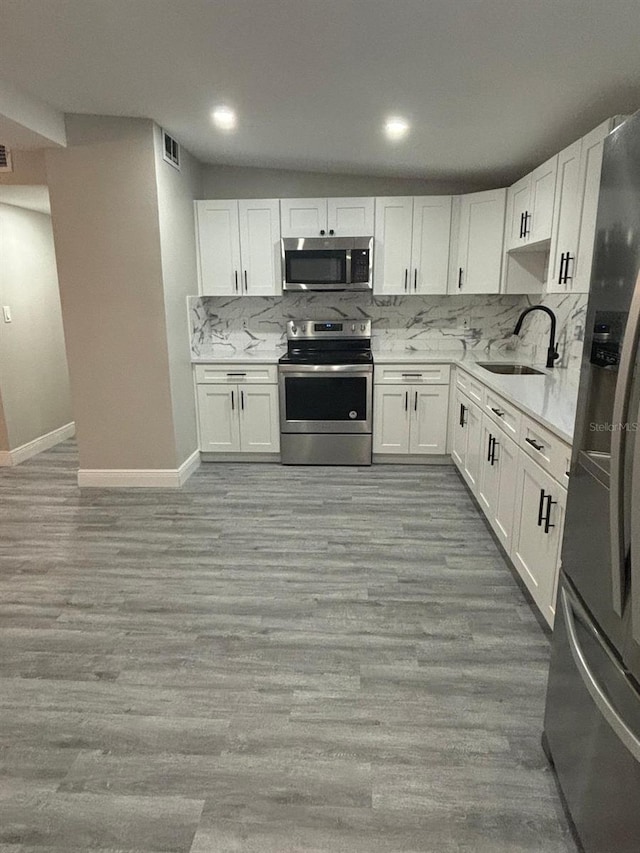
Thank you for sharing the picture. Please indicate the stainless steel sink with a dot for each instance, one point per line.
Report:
(510, 369)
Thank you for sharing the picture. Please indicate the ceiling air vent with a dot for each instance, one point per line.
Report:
(170, 150)
(5, 159)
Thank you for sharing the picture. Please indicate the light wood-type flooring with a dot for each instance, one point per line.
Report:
(271, 659)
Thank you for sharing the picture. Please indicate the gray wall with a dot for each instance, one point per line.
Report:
(105, 219)
(252, 182)
(176, 192)
(33, 367)
(4, 435)
(28, 168)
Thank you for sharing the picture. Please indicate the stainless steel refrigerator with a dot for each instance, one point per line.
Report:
(592, 717)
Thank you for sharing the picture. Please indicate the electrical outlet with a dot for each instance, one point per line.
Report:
(6, 313)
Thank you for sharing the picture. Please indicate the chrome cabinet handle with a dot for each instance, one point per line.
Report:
(597, 693)
(534, 444)
(497, 412)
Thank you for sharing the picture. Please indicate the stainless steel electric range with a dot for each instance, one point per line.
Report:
(326, 393)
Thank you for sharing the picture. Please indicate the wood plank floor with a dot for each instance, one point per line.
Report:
(271, 659)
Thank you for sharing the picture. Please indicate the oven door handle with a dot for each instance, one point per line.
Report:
(329, 369)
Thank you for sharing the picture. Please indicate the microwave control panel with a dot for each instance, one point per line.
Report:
(359, 265)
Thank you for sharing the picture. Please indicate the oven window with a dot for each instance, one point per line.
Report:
(320, 398)
(317, 266)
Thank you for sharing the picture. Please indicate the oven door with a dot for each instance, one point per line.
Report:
(325, 398)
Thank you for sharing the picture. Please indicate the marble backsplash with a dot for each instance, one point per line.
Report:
(235, 325)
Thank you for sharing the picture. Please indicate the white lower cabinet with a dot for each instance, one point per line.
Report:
(496, 452)
(410, 419)
(238, 418)
(498, 479)
(540, 508)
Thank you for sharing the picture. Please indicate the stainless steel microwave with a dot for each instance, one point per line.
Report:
(327, 263)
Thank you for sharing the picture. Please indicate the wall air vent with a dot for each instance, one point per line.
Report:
(170, 150)
(5, 159)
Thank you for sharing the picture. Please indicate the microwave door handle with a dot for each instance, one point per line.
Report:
(348, 266)
(618, 442)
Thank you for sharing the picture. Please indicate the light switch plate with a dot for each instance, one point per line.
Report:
(6, 313)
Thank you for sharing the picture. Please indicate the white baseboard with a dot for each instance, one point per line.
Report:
(415, 459)
(159, 478)
(32, 448)
(191, 464)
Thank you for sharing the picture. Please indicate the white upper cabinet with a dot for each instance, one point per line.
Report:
(218, 242)
(350, 217)
(260, 247)
(238, 247)
(564, 238)
(589, 180)
(321, 217)
(480, 241)
(530, 207)
(303, 217)
(412, 238)
(392, 248)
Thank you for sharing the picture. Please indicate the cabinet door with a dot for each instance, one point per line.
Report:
(459, 429)
(430, 244)
(392, 251)
(259, 419)
(536, 543)
(543, 189)
(471, 470)
(506, 454)
(589, 190)
(260, 247)
(391, 418)
(303, 217)
(350, 217)
(564, 239)
(218, 418)
(480, 242)
(429, 409)
(517, 204)
(218, 240)
(489, 473)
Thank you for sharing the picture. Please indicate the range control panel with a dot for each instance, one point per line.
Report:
(318, 329)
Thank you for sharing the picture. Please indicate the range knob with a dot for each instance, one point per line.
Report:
(353, 327)
(294, 330)
(362, 327)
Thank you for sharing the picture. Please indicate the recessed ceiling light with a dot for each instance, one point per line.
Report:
(396, 127)
(224, 118)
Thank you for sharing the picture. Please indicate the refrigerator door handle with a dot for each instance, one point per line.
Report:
(635, 537)
(600, 698)
(618, 435)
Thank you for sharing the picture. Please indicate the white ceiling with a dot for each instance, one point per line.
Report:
(491, 86)
(32, 197)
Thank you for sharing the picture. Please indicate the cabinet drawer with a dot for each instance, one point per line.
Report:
(469, 386)
(506, 416)
(412, 374)
(550, 452)
(237, 373)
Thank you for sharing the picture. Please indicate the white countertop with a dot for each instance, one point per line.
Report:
(550, 398)
(247, 356)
